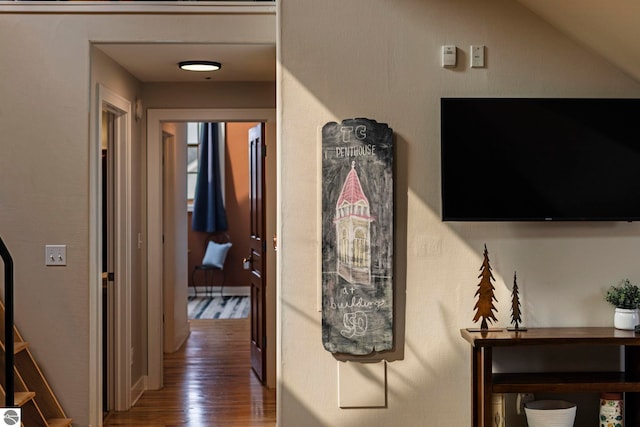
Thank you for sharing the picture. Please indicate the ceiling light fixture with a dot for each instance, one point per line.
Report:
(199, 65)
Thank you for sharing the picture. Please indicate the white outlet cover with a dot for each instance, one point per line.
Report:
(477, 56)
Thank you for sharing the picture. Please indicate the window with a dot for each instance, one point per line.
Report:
(193, 154)
(194, 129)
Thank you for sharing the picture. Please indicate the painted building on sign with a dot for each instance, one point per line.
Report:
(353, 232)
(357, 237)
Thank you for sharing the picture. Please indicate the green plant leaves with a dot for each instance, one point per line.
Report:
(626, 295)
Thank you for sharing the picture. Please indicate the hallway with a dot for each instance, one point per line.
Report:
(207, 383)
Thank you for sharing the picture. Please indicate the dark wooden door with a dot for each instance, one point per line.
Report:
(258, 249)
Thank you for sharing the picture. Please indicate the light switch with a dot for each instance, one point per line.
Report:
(477, 56)
(449, 56)
(55, 254)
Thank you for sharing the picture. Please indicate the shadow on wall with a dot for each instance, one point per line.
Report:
(416, 409)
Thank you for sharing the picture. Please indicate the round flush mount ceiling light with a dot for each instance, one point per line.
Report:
(199, 65)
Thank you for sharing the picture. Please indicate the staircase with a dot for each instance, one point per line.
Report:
(40, 408)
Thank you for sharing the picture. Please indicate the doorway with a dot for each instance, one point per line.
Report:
(233, 280)
(114, 215)
(155, 120)
(138, 61)
(231, 291)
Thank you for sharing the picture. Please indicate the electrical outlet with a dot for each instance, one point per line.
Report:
(521, 399)
(55, 255)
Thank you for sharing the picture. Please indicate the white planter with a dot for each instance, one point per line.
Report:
(624, 318)
(550, 413)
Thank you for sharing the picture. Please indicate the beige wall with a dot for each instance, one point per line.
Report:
(210, 95)
(381, 60)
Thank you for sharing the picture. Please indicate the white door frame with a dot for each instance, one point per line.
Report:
(155, 118)
(110, 101)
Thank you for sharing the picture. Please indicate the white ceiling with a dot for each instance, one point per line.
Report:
(158, 62)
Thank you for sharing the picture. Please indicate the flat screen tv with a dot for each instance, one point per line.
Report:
(533, 159)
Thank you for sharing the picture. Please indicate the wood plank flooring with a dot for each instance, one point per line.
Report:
(207, 383)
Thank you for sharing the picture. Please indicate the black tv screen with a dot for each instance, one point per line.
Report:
(508, 159)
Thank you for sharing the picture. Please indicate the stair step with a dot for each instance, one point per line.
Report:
(59, 422)
(32, 392)
(22, 397)
(20, 346)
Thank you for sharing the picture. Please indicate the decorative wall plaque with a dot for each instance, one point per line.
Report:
(357, 237)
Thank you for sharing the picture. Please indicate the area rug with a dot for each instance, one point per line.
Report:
(219, 307)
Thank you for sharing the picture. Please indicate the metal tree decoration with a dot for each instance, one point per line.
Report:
(516, 313)
(484, 306)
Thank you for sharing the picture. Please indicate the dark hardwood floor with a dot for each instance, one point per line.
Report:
(207, 383)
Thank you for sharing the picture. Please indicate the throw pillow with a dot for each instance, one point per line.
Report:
(215, 254)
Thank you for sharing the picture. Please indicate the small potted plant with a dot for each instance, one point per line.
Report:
(626, 300)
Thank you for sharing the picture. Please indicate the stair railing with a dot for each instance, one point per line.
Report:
(8, 324)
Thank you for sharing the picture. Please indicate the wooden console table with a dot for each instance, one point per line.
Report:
(484, 382)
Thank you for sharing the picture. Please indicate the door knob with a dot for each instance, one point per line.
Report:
(246, 262)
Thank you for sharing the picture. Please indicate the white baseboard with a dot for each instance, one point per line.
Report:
(138, 389)
(181, 339)
(215, 291)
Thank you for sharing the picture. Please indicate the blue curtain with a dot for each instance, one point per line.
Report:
(208, 209)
